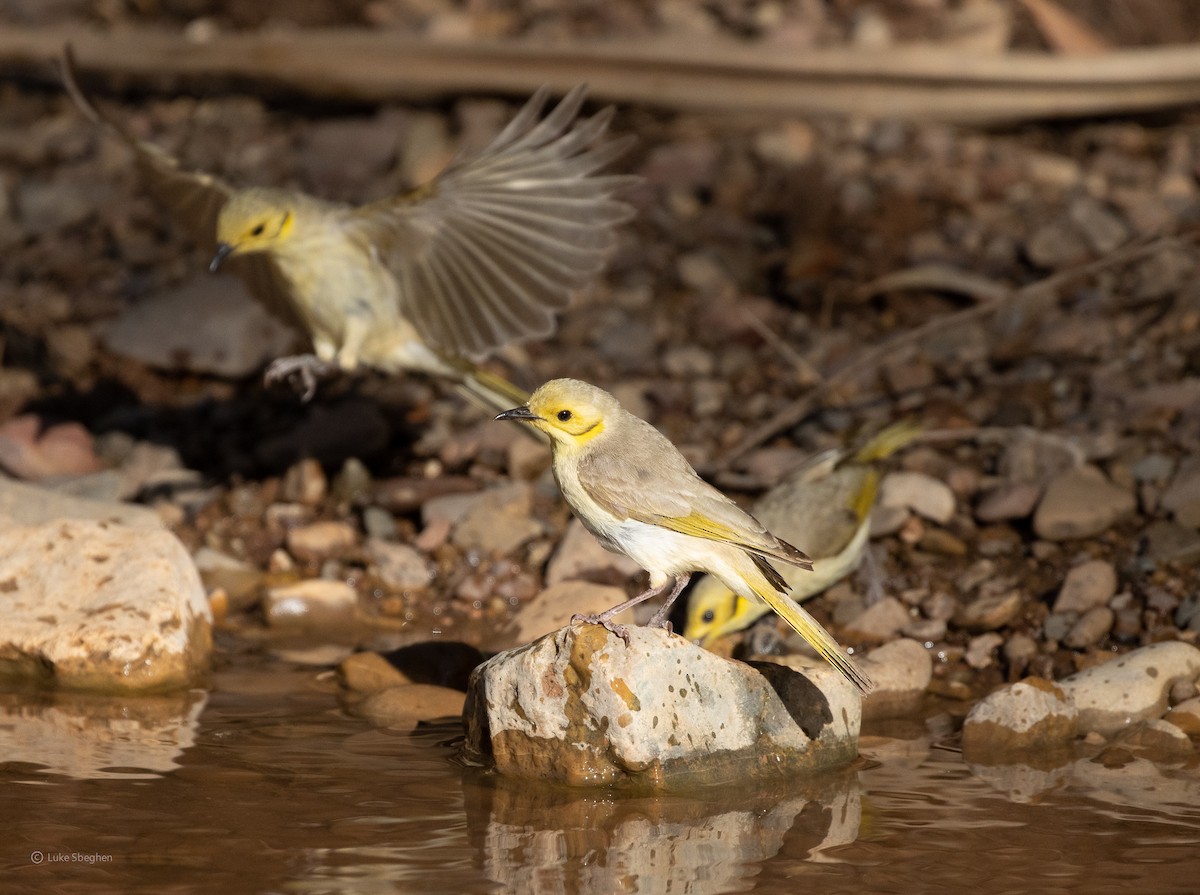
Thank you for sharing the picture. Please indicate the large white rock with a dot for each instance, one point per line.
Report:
(101, 606)
(579, 706)
(901, 671)
(1133, 687)
(1025, 718)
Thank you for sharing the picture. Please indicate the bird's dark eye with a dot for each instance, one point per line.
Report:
(708, 616)
(257, 231)
(564, 415)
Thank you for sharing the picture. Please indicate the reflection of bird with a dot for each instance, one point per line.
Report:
(482, 255)
(638, 495)
(825, 507)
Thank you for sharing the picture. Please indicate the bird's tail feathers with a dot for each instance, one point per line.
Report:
(810, 629)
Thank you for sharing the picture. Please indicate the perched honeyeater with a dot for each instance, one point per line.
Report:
(825, 508)
(639, 496)
(432, 280)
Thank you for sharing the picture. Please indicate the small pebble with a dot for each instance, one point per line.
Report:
(321, 540)
(1087, 586)
(921, 493)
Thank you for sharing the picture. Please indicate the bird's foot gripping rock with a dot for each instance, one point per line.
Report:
(604, 620)
(302, 371)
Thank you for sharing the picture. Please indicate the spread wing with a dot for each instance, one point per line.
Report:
(487, 252)
(653, 483)
(193, 198)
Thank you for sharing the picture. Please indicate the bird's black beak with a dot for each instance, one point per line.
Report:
(520, 414)
(224, 250)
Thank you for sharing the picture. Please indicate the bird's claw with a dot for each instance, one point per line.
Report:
(607, 623)
(302, 371)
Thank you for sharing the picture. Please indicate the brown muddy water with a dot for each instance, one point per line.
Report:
(263, 784)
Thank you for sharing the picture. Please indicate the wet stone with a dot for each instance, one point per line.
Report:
(238, 579)
(311, 604)
(580, 707)
(901, 671)
(1132, 687)
(1158, 740)
(101, 606)
(1186, 716)
(1019, 721)
(447, 663)
(403, 707)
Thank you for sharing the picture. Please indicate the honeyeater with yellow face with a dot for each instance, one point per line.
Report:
(825, 508)
(639, 496)
(432, 280)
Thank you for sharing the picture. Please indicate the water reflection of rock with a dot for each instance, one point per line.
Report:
(88, 736)
(543, 839)
(1136, 783)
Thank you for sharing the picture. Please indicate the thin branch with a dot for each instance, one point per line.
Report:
(870, 360)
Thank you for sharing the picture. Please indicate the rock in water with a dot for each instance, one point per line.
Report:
(578, 706)
(101, 606)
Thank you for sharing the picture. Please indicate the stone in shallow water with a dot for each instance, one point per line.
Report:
(312, 603)
(579, 706)
(402, 707)
(101, 606)
(1030, 716)
(1132, 687)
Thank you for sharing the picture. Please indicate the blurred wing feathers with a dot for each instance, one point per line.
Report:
(487, 252)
